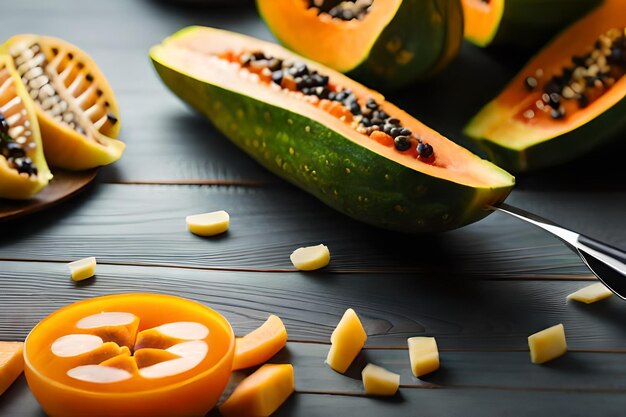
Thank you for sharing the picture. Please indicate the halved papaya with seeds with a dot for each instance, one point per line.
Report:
(565, 101)
(383, 43)
(76, 108)
(520, 22)
(23, 168)
(278, 107)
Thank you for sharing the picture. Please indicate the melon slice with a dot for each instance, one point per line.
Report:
(11, 363)
(260, 345)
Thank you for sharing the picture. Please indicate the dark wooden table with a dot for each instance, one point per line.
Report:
(480, 290)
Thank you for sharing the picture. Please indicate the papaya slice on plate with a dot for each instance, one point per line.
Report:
(384, 43)
(23, 168)
(77, 112)
(567, 99)
(260, 345)
(11, 363)
(320, 130)
(520, 22)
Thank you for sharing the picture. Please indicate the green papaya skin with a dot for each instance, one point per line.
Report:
(341, 173)
(422, 39)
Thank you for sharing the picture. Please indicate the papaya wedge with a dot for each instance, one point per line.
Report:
(77, 112)
(23, 168)
(329, 135)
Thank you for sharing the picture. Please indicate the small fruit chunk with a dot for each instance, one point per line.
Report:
(424, 355)
(208, 224)
(347, 340)
(547, 344)
(11, 363)
(310, 257)
(261, 344)
(379, 381)
(591, 294)
(83, 268)
(260, 394)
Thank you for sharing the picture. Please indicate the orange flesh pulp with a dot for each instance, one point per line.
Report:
(201, 55)
(481, 19)
(505, 122)
(346, 43)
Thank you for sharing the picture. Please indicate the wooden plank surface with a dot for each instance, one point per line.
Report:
(145, 224)
(462, 314)
(480, 290)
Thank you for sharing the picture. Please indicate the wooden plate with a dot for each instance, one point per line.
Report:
(64, 185)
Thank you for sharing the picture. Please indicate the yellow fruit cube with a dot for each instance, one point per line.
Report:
(311, 257)
(591, 294)
(379, 381)
(208, 224)
(424, 355)
(347, 340)
(83, 268)
(547, 344)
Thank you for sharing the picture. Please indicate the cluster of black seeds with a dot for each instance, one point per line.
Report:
(342, 9)
(13, 151)
(591, 73)
(368, 118)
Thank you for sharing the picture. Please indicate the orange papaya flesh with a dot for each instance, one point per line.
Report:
(520, 22)
(566, 100)
(260, 345)
(76, 108)
(70, 361)
(383, 43)
(11, 363)
(315, 128)
(23, 168)
(260, 394)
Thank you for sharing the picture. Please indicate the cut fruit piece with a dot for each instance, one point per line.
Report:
(424, 355)
(68, 359)
(208, 224)
(260, 394)
(384, 43)
(567, 99)
(23, 168)
(591, 294)
(379, 381)
(83, 268)
(520, 22)
(311, 258)
(11, 363)
(260, 345)
(149, 356)
(76, 108)
(315, 128)
(347, 340)
(547, 344)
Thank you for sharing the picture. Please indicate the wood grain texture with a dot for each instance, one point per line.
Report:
(463, 314)
(145, 224)
(18, 401)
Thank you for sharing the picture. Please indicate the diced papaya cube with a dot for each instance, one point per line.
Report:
(83, 268)
(547, 344)
(260, 394)
(149, 356)
(347, 340)
(379, 381)
(423, 354)
(261, 344)
(591, 294)
(11, 363)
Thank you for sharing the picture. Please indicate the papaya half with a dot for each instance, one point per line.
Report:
(75, 105)
(567, 99)
(23, 168)
(383, 43)
(327, 134)
(520, 22)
